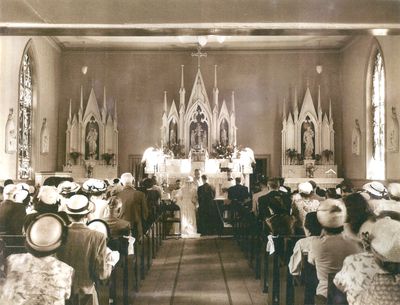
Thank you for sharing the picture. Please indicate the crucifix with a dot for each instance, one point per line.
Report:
(198, 54)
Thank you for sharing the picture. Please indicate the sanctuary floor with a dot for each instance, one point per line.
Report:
(205, 271)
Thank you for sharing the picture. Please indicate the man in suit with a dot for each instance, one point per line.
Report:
(86, 251)
(207, 213)
(238, 193)
(134, 206)
(12, 213)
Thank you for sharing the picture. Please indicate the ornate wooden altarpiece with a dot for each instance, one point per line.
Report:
(308, 146)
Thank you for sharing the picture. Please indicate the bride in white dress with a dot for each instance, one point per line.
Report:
(186, 199)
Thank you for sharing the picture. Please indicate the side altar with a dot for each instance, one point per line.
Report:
(199, 134)
(308, 146)
(92, 140)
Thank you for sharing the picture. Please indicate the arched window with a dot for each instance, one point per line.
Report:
(25, 103)
(376, 101)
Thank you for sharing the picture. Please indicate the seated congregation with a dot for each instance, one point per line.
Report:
(72, 233)
(351, 240)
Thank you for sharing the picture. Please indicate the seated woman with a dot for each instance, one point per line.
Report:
(374, 277)
(360, 218)
(328, 251)
(385, 246)
(313, 230)
(38, 277)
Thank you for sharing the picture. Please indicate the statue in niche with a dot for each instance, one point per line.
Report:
(199, 131)
(92, 139)
(11, 133)
(308, 139)
(393, 143)
(356, 139)
(44, 138)
(173, 135)
(224, 133)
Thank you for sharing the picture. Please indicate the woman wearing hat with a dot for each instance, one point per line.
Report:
(328, 252)
(383, 261)
(48, 201)
(95, 190)
(38, 277)
(302, 205)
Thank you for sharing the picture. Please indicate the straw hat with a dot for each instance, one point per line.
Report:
(305, 188)
(67, 187)
(20, 195)
(375, 188)
(48, 195)
(45, 234)
(385, 240)
(9, 190)
(94, 186)
(331, 213)
(394, 190)
(79, 205)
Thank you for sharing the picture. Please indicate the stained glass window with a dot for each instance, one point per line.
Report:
(25, 118)
(377, 86)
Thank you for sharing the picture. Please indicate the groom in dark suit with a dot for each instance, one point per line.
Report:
(207, 213)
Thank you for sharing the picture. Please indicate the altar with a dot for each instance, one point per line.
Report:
(199, 134)
(308, 150)
(91, 140)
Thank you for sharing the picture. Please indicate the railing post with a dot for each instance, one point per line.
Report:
(276, 277)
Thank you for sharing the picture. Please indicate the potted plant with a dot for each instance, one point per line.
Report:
(107, 157)
(318, 158)
(74, 155)
(291, 154)
(327, 155)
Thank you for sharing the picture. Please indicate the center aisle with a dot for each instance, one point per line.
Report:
(205, 271)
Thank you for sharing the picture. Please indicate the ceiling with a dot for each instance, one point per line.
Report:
(177, 24)
(211, 42)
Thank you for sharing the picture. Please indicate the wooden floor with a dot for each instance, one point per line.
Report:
(209, 270)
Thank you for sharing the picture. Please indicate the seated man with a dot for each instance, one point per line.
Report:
(12, 213)
(86, 251)
(118, 227)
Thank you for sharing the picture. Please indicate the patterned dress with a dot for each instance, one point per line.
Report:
(356, 276)
(36, 281)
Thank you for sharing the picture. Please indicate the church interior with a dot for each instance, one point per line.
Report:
(148, 95)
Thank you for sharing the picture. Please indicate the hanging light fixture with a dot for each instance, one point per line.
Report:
(318, 67)
(202, 40)
(84, 68)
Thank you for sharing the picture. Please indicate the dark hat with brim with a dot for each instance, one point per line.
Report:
(45, 234)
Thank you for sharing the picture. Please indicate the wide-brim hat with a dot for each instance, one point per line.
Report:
(79, 205)
(46, 233)
(20, 195)
(67, 187)
(94, 186)
(305, 188)
(331, 213)
(385, 240)
(394, 190)
(375, 188)
(9, 189)
(101, 226)
(48, 195)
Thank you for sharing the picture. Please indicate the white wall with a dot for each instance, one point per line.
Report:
(354, 64)
(46, 56)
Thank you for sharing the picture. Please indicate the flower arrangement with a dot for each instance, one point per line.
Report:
(221, 151)
(318, 158)
(177, 149)
(327, 155)
(74, 155)
(291, 154)
(107, 157)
